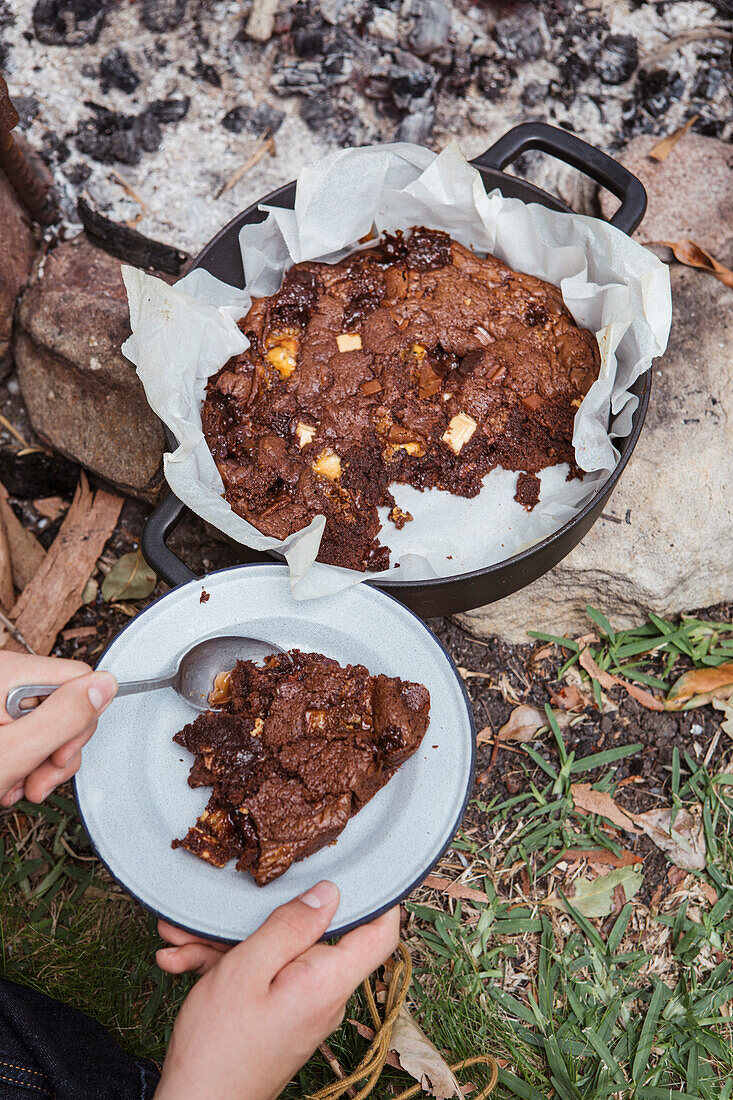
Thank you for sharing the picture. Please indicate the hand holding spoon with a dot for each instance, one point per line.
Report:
(193, 679)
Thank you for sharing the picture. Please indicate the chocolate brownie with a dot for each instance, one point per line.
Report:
(296, 747)
(413, 361)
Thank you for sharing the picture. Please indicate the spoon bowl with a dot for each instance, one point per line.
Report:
(193, 677)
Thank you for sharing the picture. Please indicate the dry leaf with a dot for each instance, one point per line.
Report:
(727, 708)
(601, 856)
(485, 736)
(131, 578)
(595, 897)
(606, 680)
(570, 697)
(600, 802)
(91, 589)
(454, 889)
(523, 724)
(684, 842)
(421, 1059)
(664, 147)
(697, 687)
(710, 892)
(689, 253)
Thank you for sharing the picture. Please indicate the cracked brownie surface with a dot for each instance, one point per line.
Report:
(298, 746)
(413, 362)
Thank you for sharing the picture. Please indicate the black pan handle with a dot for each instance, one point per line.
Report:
(159, 557)
(574, 151)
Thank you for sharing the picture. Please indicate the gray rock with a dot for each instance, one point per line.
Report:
(690, 193)
(17, 252)
(667, 545)
(82, 395)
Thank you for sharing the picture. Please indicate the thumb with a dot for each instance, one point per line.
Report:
(289, 931)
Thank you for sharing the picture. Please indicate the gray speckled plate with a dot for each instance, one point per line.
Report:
(132, 791)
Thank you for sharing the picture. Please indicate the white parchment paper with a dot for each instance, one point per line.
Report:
(184, 333)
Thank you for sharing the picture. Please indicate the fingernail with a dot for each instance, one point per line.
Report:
(45, 794)
(323, 893)
(102, 691)
(14, 798)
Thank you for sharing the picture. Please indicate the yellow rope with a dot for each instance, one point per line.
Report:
(372, 1064)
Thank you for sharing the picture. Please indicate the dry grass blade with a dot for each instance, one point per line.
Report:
(602, 856)
(689, 253)
(664, 147)
(12, 429)
(264, 145)
(130, 190)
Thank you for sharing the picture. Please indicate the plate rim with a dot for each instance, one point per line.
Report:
(373, 914)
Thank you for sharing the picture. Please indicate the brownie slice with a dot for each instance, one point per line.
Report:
(412, 362)
(297, 747)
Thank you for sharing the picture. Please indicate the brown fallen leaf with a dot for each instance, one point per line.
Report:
(596, 897)
(664, 147)
(606, 680)
(79, 632)
(421, 1059)
(601, 856)
(50, 507)
(690, 254)
(683, 842)
(130, 578)
(697, 687)
(523, 724)
(569, 697)
(590, 801)
(55, 593)
(454, 889)
(727, 708)
(710, 892)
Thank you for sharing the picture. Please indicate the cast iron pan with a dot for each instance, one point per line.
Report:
(448, 595)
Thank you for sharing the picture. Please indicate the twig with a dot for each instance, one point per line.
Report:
(14, 632)
(130, 190)
(335, 1066)
(265, 145)
(13, 431)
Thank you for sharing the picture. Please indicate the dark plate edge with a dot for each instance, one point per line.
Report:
(388, 905)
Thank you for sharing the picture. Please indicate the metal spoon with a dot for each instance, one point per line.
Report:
(193, 678)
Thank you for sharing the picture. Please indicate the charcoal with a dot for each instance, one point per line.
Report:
(208, 73)
(657, 89)
(263, 117)
(68, 22)
(618, 59)
(308, 40)
(304, 77)
(431, 29)
(116, 71)
(127, 244)
(325, 113)
(113, 136)
(163, 15)
(520, 35)
(411, 81)
(77, 173)
(35, 475)
(707, 81)
(459, 74)
(27, 107)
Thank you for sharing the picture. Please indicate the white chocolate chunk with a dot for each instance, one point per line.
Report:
(460, 430)
(304, 433)
(328, 464)
(349, 341)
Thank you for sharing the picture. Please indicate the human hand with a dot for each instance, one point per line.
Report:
(43, 748)
(263, 1007)
(186, 951)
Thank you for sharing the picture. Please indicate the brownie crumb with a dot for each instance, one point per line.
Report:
(296, 748)
(528, 490)
(411, 362)
(204, 597)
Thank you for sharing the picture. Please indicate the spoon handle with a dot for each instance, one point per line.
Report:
(17, 695)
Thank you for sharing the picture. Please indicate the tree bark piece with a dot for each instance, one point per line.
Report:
(7, 591)
(55, 593)
(26, 553)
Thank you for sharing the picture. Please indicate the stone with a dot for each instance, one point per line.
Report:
(664, 541)
(17, 252)
(83, 396)
(690, 193)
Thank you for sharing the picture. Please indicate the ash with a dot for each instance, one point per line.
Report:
(149, 107)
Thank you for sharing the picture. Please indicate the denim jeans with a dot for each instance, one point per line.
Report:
(50, 1050)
